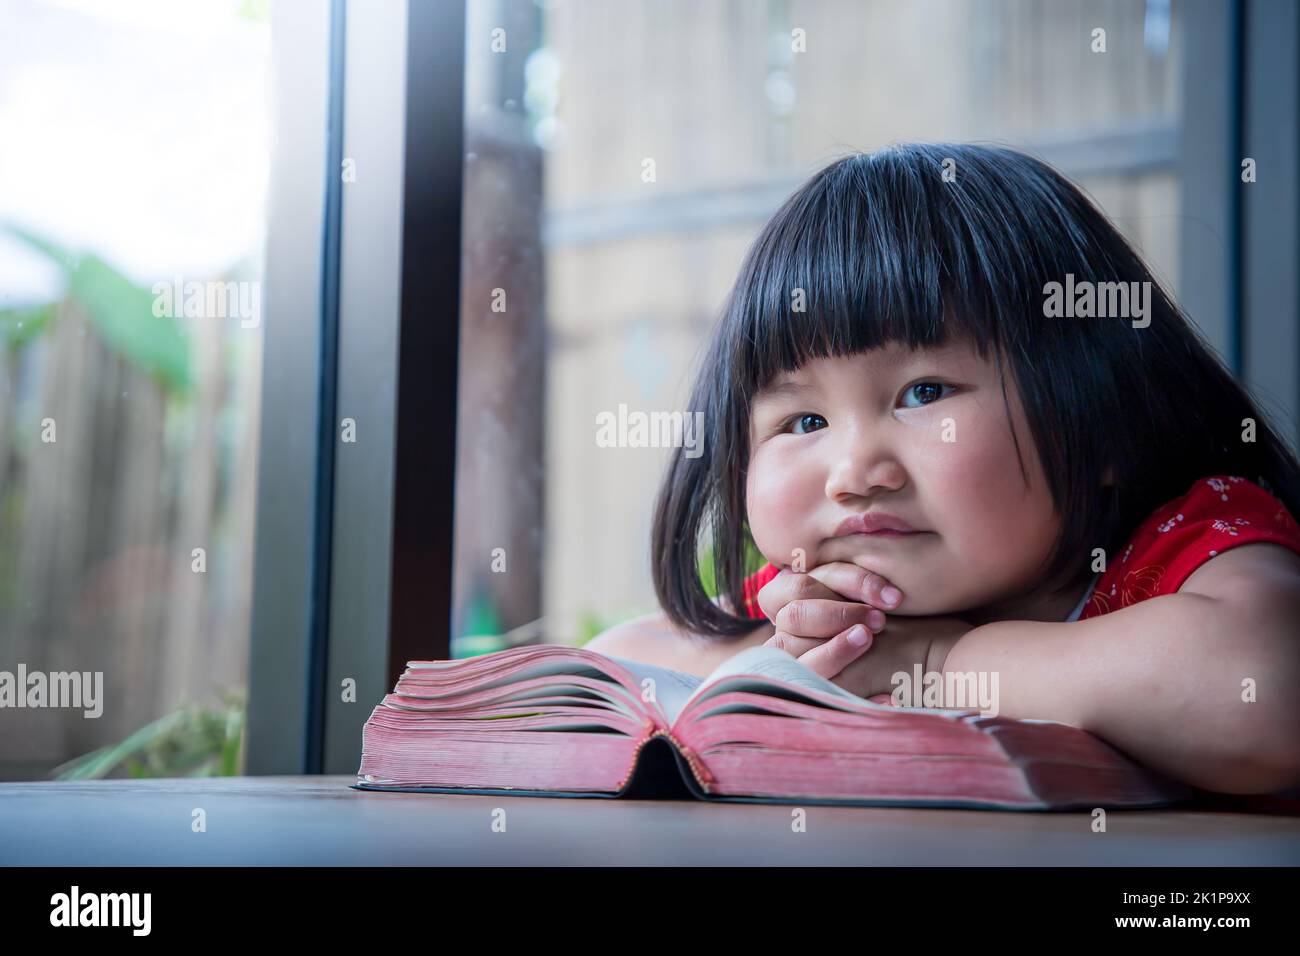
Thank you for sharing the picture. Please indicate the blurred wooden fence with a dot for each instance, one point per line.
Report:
(97, 528)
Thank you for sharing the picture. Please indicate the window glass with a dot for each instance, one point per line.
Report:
(134, 158)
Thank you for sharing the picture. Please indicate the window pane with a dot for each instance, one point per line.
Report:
(136, 143)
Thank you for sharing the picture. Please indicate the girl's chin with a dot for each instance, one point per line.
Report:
(894, 549)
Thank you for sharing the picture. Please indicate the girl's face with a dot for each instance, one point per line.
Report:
(921, 436)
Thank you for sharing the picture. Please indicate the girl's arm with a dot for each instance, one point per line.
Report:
(1163, 679)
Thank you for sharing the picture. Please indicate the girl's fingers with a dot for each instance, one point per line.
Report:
(826, 618)
(883, 594)
(858, 584)
(831, 656)
(838, 580)
(790, 586)
(794, 646)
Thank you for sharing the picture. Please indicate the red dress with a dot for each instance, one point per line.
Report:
(1215, 515)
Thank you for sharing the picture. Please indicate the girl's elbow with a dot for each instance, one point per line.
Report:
(1267, 761)
(1249, 778)
(1282, 769)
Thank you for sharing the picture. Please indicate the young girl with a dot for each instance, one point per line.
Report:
(944, 472)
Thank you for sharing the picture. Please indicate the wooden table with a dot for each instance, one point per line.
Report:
(320, 820)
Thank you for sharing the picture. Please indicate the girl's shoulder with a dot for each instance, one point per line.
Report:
(1216, 514)
(652, 639)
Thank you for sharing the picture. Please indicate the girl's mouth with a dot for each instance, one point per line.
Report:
(885, 534)
(873, 522)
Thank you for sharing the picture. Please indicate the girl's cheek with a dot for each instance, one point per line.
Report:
(776, 490)
(994, 521)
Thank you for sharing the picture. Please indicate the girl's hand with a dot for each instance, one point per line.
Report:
(904, 643)
(836, 606)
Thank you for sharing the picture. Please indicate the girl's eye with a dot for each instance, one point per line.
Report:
(803, 420)
(925, 393)
(922, 393)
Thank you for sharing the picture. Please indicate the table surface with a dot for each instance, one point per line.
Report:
(314, 820)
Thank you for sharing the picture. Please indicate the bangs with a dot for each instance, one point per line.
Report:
(881, 249)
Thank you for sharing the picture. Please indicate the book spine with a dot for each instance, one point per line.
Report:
(701, 772)
(648, 731)
(702, 776)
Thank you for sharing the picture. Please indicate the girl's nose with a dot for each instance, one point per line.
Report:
(860, 466)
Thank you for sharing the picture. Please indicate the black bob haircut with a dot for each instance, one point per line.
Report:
(887, 251)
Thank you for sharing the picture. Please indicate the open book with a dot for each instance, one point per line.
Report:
(549, 720)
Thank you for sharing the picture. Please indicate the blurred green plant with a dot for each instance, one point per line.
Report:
(753, 561)
(590, 624)
(194, 741)
(481, 631)
(20, 326)
(120, 311)
(258, 11)
(481, 616)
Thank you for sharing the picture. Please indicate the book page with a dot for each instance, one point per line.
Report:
(545, 665)
(771, 665)
(671, 689)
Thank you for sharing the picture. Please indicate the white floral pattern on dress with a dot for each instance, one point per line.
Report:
(1223, 527)
(1166, 526)
(1222, 486)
